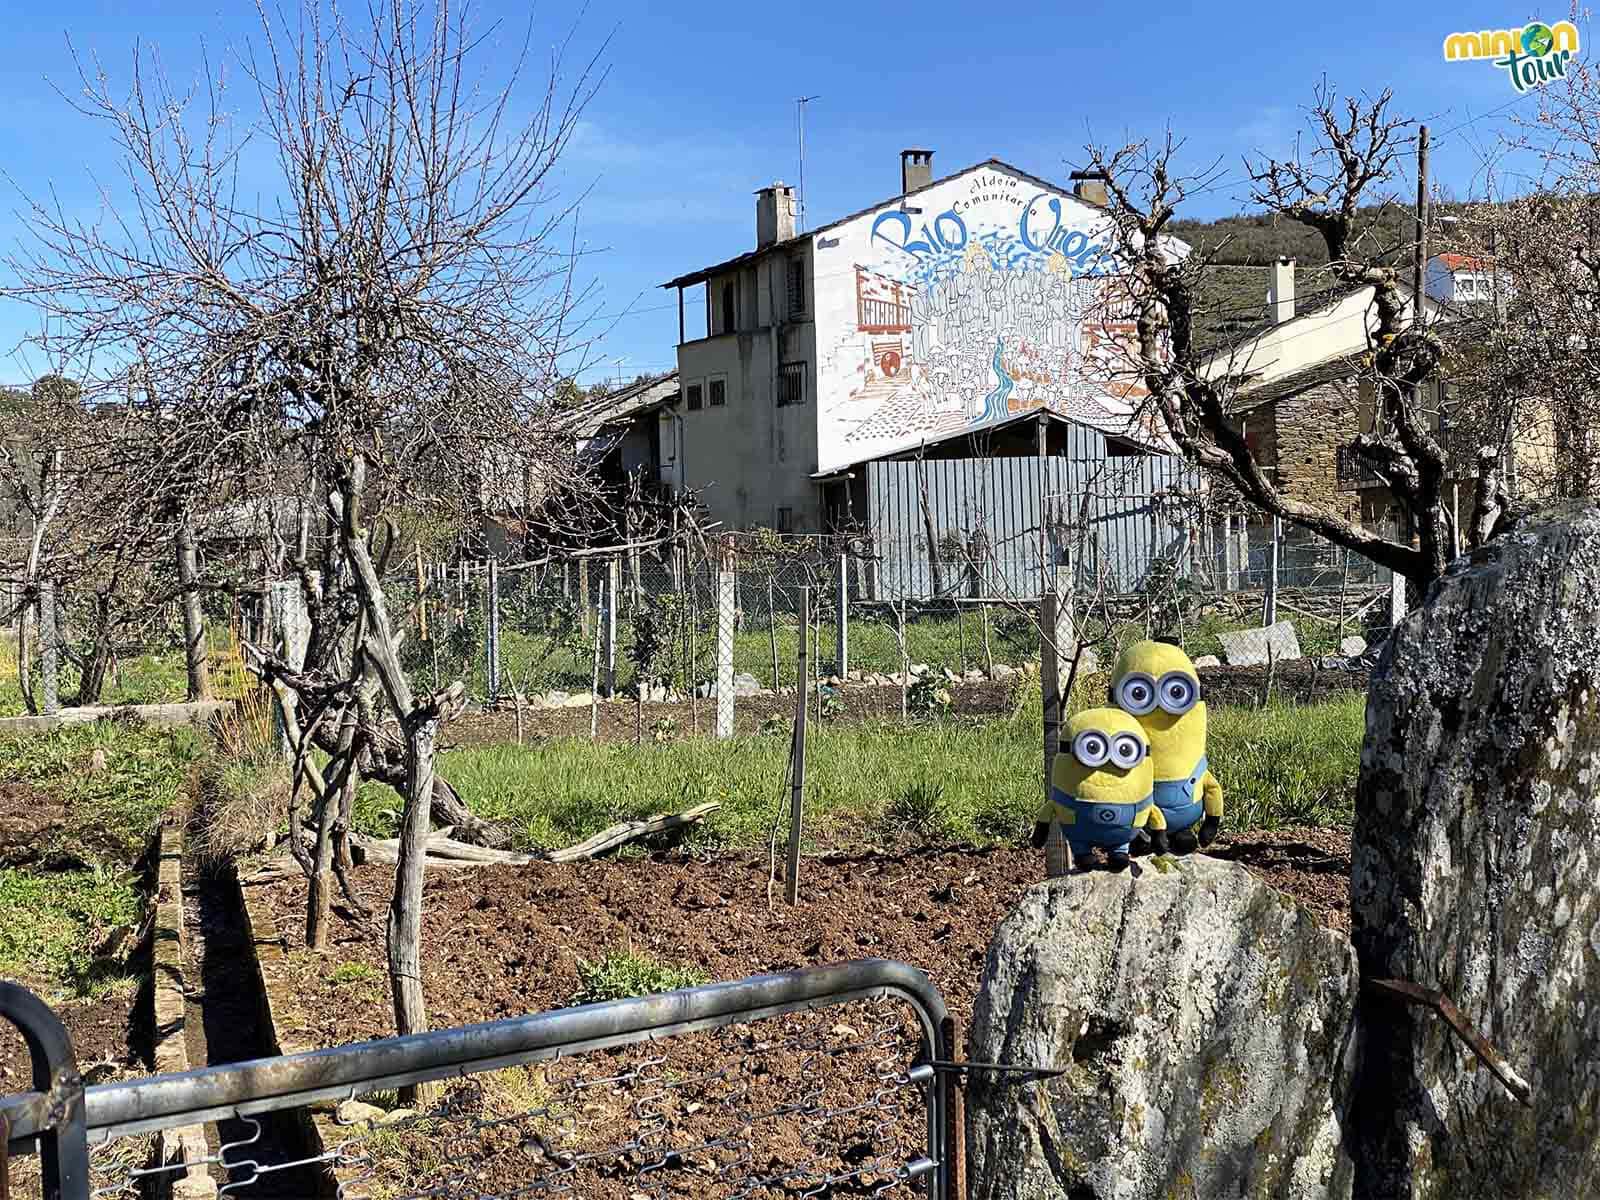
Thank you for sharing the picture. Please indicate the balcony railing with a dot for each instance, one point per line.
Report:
(1461, 461)
(882, 316)
(1353, 472)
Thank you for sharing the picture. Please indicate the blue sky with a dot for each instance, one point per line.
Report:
(698, 109)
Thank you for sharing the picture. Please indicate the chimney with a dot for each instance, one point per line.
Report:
(774, 214)
(1280, 291)
(916, 170)
(1090, 187)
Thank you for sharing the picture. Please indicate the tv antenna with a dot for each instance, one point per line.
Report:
(800, 130)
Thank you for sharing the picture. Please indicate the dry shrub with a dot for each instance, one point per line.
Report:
(245, 786)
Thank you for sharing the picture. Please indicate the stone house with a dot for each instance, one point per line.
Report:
(1302, 397)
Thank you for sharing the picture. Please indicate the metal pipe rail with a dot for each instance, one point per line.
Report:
(64, 1117)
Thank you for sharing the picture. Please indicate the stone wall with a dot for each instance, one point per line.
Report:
(1309, 428)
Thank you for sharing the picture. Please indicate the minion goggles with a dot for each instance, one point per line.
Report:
(1139, 694)
(1093, 749)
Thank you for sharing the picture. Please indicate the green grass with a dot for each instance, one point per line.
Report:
(869, 784)
(352, 972)
(157, 677)
(96, 791)
(51, 925)
(109, 809)
(624, 972)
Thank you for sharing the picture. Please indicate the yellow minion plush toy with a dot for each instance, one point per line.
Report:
(1156, 682)
(1101, 787)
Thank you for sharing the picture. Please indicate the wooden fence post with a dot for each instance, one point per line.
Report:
(1049, 683)
(797, 785)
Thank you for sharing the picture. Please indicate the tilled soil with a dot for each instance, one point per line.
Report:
(110, 1038)
(770, 1109)
(1299, 681)
(505, 941)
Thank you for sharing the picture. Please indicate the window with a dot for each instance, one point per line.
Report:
(797, 287)
(786, 520)
(791, 384)
(1467, 285)
(730, 305)
(695, 401)
(719, 392)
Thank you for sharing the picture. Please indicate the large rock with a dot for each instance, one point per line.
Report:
(1476, 869)
(1203, 1019)
(1257, 647)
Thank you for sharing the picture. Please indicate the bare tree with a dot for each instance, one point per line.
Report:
(85, 518)
(1541, 251)
(376, 319)
(1350, 161)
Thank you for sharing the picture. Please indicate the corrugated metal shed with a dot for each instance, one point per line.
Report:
(1113, 517)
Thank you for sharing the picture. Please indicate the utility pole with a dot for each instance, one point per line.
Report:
(1419, 264)
(800, 130)
(1397, 583)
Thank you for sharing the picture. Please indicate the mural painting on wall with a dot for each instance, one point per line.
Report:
(984, 301)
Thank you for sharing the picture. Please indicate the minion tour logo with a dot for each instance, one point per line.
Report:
(1534, 55)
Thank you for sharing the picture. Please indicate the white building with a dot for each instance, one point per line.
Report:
(968, 305)
(1463, 279)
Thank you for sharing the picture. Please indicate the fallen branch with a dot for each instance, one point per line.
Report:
(1438, 1002)
(443, 850)
(626, 831)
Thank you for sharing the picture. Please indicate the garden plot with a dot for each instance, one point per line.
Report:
(779, 1101)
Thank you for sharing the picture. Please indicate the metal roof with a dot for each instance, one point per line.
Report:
(623, 403)
(1139, 437)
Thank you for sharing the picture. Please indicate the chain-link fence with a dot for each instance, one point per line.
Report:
(83, 647)
(826, 1081)
(688, 622)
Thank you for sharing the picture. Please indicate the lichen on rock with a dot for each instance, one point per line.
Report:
(1474, 870)
(1202, 1021)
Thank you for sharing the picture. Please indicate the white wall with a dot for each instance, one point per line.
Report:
(1342, 328)
(982, 305)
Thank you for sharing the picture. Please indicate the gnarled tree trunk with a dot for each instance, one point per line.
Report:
(194, 630)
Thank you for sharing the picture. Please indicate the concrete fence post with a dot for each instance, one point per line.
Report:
(1269, 591)
(726, 579)
(1230, 556)
(49, 651)
(492, 630)
(609, 590)
(1064, 633)
(290, 636)
(842, 619)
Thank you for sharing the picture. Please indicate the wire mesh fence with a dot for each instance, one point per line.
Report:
(644, 622)
(651, 624)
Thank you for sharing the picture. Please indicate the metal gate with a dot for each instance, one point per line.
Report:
(801, 1083)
